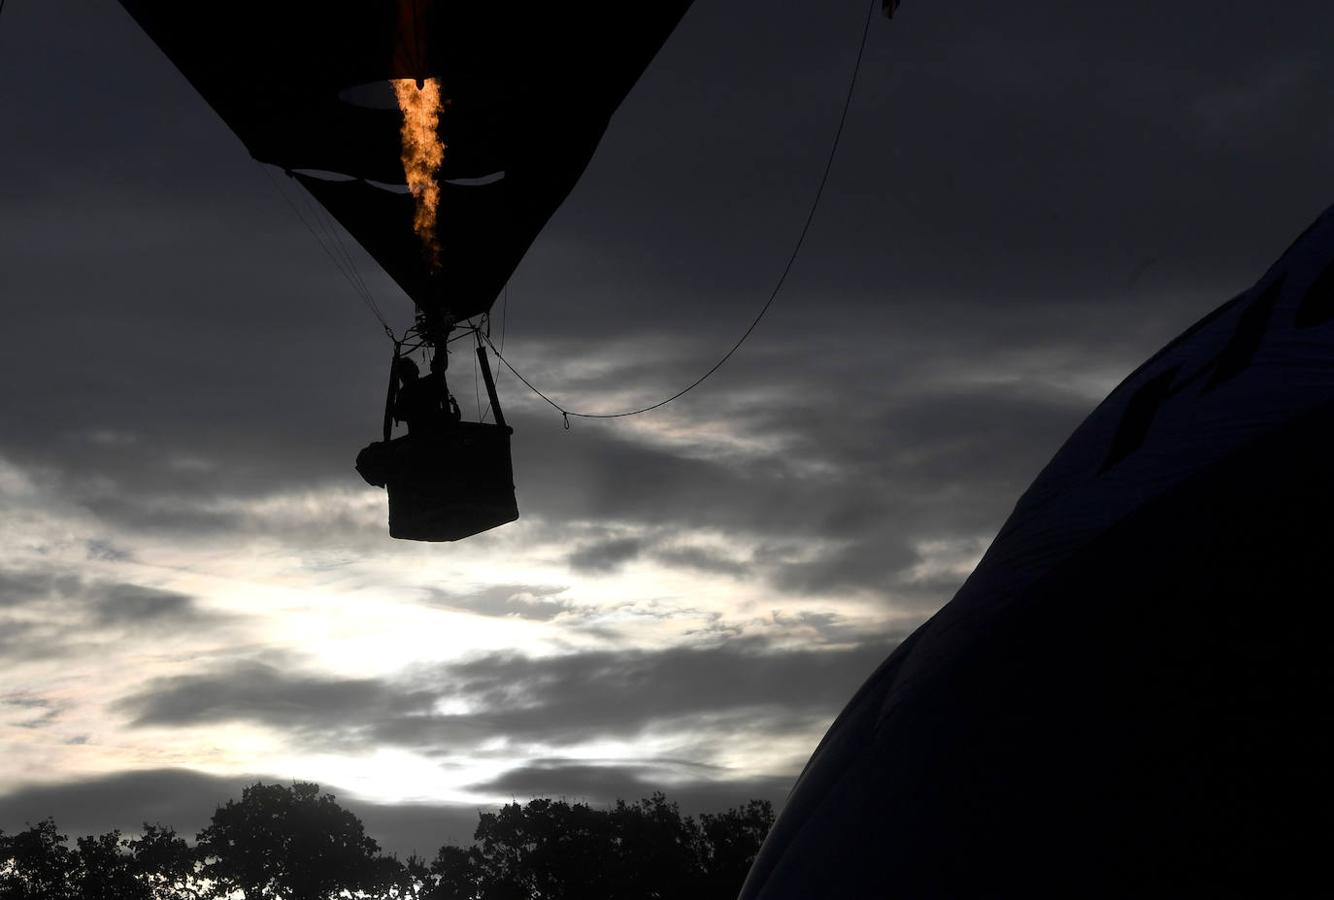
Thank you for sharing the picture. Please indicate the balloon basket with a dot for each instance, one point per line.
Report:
(445, 486)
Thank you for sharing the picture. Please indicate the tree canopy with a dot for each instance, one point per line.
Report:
(281, 842)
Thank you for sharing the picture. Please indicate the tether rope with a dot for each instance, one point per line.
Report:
(773, 295)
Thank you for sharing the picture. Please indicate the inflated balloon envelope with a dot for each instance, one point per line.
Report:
(442, 134)
(529, 90)
(1133, 691)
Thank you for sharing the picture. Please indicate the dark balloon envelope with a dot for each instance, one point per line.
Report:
(530, 90)
(1133, 693)
(527, 91)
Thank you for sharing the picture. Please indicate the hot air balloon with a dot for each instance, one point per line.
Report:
(1131, 693)
(486, 113)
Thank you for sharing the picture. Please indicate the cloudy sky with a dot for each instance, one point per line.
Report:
(197, 590)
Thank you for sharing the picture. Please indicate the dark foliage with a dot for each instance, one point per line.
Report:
(294, 843)
(640, 851)
(105, 870)
(36, 865)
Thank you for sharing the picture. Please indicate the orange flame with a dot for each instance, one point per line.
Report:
(423, 155)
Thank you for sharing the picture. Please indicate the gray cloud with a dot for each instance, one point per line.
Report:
(576, 697)
(46, 613)
(701, 559)
(605, 556)
(850, 566)
(263, 692)
(185, 800)
(22, 587)
(524, 601)
(828, 627)
(696, 789)
(564, 699)
(133, 605)
(37, 712)
(18, 640)
(107, 551)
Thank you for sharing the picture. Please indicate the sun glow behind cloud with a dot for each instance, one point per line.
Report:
(284, 596)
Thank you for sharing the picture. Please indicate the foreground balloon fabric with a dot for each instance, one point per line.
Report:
(1134, 691)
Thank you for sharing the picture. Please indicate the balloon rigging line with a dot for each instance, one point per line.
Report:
(331, 229)
(358, 287)
(773, 295)
(504, 320)
(320, 235)
(477, 391)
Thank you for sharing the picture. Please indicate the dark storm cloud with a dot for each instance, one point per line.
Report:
(185, 800)
(1004, 174)
(994, 154)
(563, 699)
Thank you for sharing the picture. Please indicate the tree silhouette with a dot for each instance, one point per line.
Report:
(294, 843)
(733, 838)
(287, 842)
(456, 874)
(659, 853)
(35, 864)
(104, 870)
(546, 849)
(167, 865)
(551, 849)
(411, 881)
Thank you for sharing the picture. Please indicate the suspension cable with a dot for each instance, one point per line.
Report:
(773, 295)
(332, 229)
(346, 268)
(504, 321)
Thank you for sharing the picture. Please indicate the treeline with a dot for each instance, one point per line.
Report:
(295, 843)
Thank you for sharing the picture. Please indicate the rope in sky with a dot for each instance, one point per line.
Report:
(773, 295)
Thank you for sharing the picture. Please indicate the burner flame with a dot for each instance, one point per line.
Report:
(423, 155)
